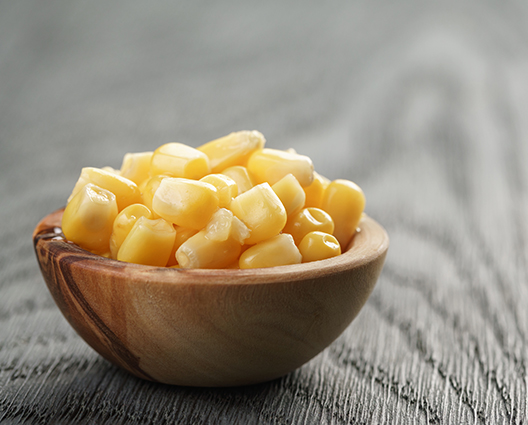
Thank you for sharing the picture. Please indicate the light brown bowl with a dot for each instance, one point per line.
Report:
(208, 327)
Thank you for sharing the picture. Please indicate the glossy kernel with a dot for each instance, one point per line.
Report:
(123, 223)
(201, 252)
(185, 202)
(279, 250)
(88, 218)
(233, 149)
(261, 211)
(271, 165)
(136, 166)
(345, 202)
(226, 188)
(241, 176)
(308, 220)
(179, 160)
(319, 246)
(314, 193)
(126, 191)
(291, 194)
(149, 242)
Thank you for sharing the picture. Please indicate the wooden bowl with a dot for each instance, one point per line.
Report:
(208, 327)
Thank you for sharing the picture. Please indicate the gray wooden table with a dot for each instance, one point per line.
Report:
(423, 104)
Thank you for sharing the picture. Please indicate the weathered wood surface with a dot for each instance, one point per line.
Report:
(422, 104)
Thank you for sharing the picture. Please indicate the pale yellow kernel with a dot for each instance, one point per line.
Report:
(179, 160)
(262, 212)
(149, 242)
(182, 234)
(279, 250)
(233, 149)
(291, 194)
(136, 166)
(314, 192)
(123, 223)
(224, 224)
(271, 165)
(241, 176)
(226, 188)
(125, 190)
(148, 188)
(185, 202)
(344, 201)
(88, 218)
(319, 246)
(308, 220)
(200, 252)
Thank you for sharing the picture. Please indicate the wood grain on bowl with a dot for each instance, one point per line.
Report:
(208, 327)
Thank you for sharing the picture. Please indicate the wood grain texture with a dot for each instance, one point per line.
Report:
(424, 105)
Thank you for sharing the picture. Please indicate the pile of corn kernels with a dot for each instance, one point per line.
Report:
(230, 203)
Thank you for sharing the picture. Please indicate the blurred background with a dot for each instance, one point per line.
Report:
(423, 104)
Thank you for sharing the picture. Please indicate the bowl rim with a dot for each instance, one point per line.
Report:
(370, 242)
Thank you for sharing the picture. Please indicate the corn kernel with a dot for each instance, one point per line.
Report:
(344, 201)
(261, 211)
(88, 218)
(224, 224)
(182, 234)
(148, 188)
(125, 190)
(185, 202)
(241, 176)
(308, 220)
(271, 165)
(123, 223)
(233, 149)
(136, 166)
(279, 250)
(200, 252)
(149, 242)
(319, 246)
(226, 188)
(290, 193)
(314, 192)
(179, 160)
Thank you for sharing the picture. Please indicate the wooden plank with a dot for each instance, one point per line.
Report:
(423, 105)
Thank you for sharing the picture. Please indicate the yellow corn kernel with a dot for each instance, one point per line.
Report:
(88, 218)
(271, 165)
(261, 211)
(182, 234)
(224, 224)
(308, 220)
(344, 201)
(123, 223)
(290, 193)
(149, 242)
(314, 192)
(241, 176)
(226, 188)
(179, 160)
(233, 149)
(148, 188)
(185, 202)
(136, 166)
(202, 253)
(279, 250)
(125, 190)
(319, 246)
